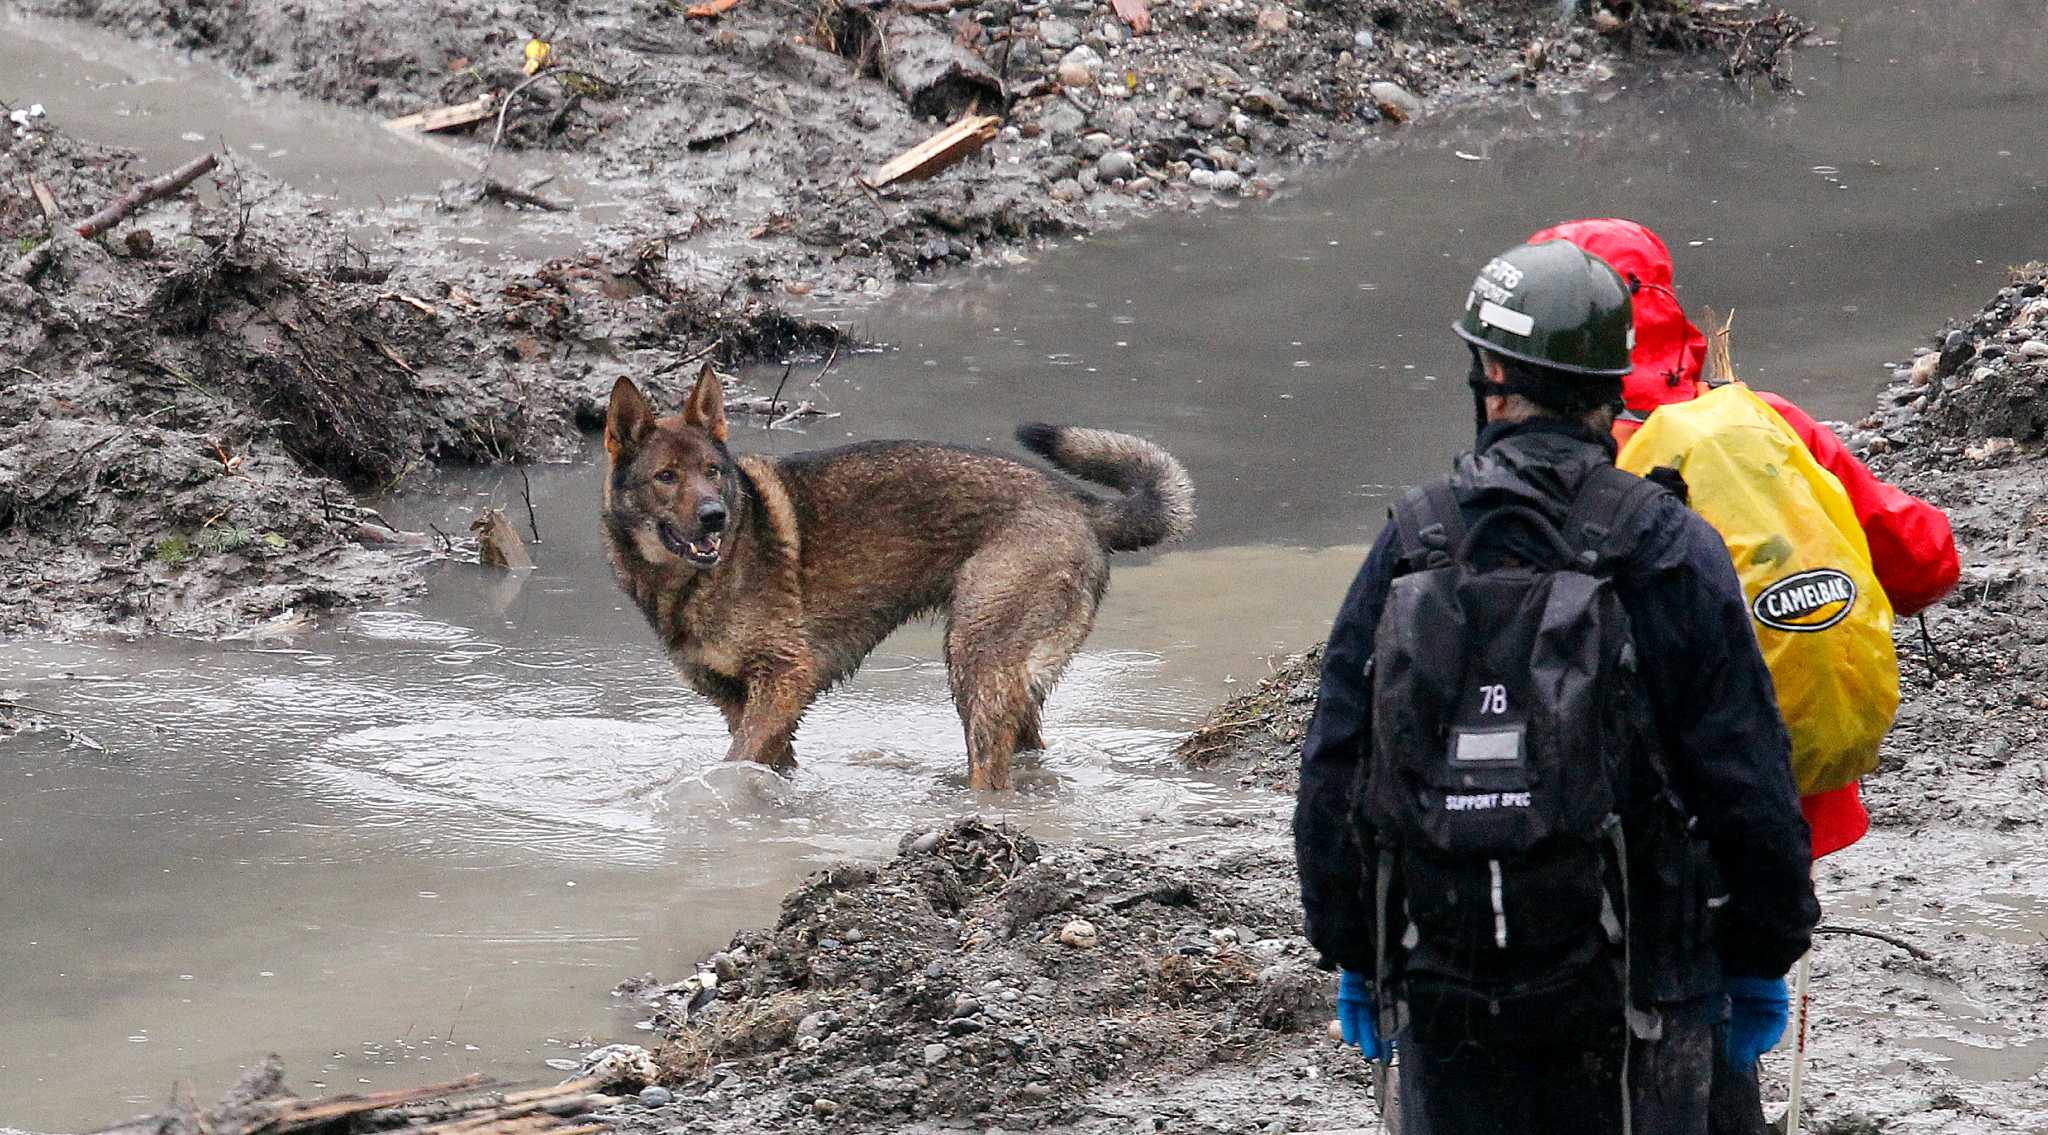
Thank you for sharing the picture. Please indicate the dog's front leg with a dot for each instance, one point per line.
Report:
(764, 726)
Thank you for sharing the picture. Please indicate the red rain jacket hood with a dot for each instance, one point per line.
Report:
(1670, 352)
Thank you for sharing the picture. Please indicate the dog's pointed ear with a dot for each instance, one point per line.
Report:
(705, 407)
(628, 421)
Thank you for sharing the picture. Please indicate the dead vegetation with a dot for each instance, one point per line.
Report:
(1750, 42)
(260, 1104)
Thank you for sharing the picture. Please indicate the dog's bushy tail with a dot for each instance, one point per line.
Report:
(1157, 504)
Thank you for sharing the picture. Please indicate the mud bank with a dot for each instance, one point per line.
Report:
(196, 407)
(192, 408)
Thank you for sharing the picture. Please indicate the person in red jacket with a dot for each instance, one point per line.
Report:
(1911, 547)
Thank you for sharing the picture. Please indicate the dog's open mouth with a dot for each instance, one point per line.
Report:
(703, 551)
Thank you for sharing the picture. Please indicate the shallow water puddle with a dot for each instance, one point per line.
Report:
(427, 840)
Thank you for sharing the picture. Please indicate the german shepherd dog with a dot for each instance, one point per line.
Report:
(769, 580)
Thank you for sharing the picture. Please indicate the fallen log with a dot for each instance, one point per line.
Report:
(444, 117)
(939, 151)
(155, 189)
(288, 1115)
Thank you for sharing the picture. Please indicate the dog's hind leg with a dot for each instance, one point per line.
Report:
(1016, 620)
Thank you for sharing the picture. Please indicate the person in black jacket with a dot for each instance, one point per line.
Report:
(1546, 326)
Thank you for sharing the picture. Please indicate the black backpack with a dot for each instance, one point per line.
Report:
(1510, 730)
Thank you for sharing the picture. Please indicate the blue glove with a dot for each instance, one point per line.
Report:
(1355, 1016)
(1758, 1008)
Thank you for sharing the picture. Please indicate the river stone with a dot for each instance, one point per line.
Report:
(1080, 934)
(2034, 349)
(1078, 67)
(1226, 181)
(1059, 34)
(1202, 178)
(1095, 145)
(1062, 118)
(935, 1054)
(654, 1095)
(1116, 165)
(1956, 350)
(1394, 100)
(1264, 100)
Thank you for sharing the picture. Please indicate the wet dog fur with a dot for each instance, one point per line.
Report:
(769, 580)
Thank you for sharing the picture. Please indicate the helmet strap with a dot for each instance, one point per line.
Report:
(1481, 389)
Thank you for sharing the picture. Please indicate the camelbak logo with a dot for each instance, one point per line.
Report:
(1809, 601)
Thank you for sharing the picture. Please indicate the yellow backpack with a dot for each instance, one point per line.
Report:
(1819, 613)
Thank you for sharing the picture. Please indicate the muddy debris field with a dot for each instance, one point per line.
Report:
(212, 389)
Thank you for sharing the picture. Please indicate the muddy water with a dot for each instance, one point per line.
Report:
(425, 840)
(168, 108)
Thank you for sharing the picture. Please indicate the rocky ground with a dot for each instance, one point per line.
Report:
(195, 407)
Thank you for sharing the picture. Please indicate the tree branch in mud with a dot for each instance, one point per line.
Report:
(1878, 936)
(155, 189)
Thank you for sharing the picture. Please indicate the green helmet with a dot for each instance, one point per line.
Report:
(1552, 304)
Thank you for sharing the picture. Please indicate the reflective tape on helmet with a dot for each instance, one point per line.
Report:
(1507, 319)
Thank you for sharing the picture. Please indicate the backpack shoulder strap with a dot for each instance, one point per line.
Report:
(1429, 524)
(1607, 502)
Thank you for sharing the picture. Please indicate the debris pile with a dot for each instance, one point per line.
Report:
(260, 1104)
(195, 390)
(982, 976)
(1260, 731)
(1980, 391)
(801, 124)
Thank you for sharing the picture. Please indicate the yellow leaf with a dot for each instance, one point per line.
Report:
(539, 53)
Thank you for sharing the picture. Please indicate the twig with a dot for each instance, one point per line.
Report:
(509, 194)
(526, 492)
(117, 211)
(837, 338)
(1879, 936)
(1933, 652)
(447, 541)
(505, 105)
(777, 396)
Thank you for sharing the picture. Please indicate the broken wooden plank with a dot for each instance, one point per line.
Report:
(445, 117)
(939, 151)
(47, 201)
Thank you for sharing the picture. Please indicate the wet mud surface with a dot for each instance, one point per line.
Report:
(197, 406)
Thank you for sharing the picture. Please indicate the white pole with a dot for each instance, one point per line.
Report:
(1798, 1042)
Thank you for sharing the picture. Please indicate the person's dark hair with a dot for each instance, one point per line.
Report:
(1557, 392)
